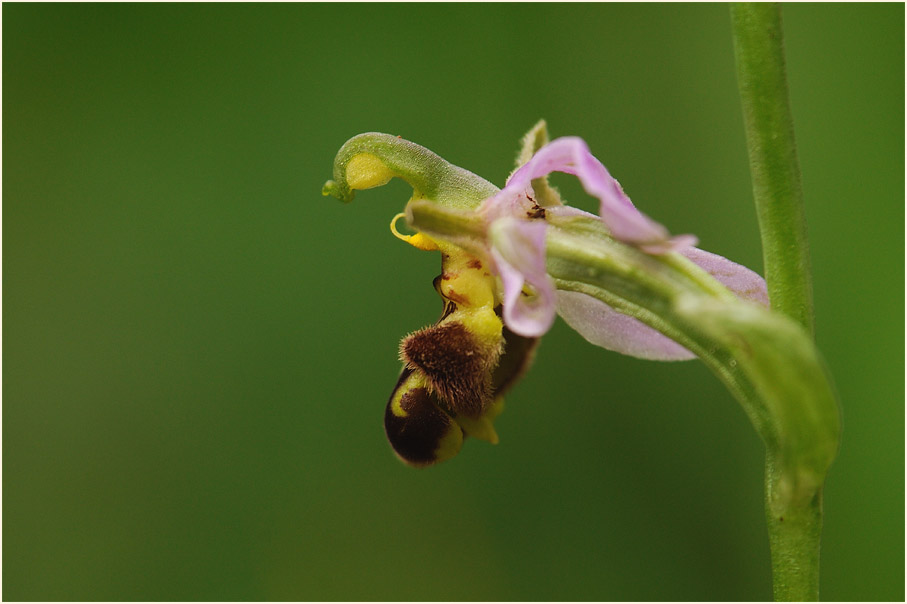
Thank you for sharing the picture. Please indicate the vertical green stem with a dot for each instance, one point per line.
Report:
(761, 77)
(794, 523)
(794, 532)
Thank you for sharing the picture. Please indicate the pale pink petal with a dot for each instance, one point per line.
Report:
(603, 326)
(571, 155)
(506, 202)
(739, 279)
(569, 212)
(518, 249)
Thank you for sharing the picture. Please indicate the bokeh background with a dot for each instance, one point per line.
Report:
(199, 346)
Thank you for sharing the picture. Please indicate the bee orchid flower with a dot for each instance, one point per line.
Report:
(513, 258)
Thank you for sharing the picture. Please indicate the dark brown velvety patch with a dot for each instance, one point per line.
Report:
(454, 363)
(416, 437)
(475, 263)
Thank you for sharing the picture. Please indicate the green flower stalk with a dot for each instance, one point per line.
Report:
(777, 191)
(759, 53)
(512, 258)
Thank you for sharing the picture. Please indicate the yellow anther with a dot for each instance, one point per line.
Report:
(365, 171)
(418, 240)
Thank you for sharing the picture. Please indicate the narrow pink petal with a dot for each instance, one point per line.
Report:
(569, 212)
(509, 201)
(739, 279)
(518, 249)
(571, 155)
(603, 326)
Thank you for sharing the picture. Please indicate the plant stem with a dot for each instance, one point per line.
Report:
(777, 191)
(794, 519)
(794, 530)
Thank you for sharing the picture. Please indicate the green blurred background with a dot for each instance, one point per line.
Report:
(199, 347)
